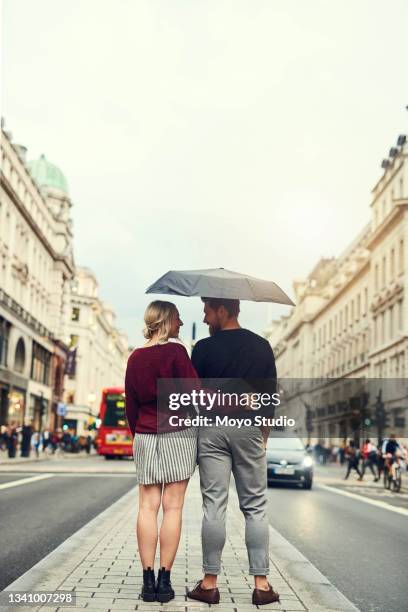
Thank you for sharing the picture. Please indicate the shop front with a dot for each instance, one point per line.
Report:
(38, 411)
(4, 402)
(13, 393)
(16, 407)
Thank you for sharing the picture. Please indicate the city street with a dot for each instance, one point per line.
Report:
(358, 540)
(40, 514)
(358, 546)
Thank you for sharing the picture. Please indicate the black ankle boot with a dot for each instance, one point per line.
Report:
(164, 592)
(148, 589)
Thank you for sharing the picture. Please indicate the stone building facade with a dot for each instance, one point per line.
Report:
(99, 351)
(39, 288)
(351, 322)
(36, 269)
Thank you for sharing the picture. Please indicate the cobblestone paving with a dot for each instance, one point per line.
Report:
(109, 576)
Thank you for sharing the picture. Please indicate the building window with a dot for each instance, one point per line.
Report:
(20, 356)
(75, 314)
(382, 328)
(391, 322)
(40, 364)
(401, 257)
(384, 272)
(392, 264)
(73, 341)
(4, 340)
(71, 397)
(400, 315)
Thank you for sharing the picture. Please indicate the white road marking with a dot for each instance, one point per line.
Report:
(22, 481)
(81, 474)
(366, 500)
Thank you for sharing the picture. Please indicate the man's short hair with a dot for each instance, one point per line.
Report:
(231, 306)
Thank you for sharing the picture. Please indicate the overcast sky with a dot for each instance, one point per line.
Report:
(198, 134)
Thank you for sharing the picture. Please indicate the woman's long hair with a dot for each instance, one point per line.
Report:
(158, 318)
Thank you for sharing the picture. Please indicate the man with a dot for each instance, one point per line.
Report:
(390, 450)
(234, 353)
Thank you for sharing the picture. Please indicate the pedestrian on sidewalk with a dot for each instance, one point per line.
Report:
(369, 453)
(233, 353)
(26, 439)
(54, 439)
(352, 456)
(380, 459)
(164, 460)
(35, 443)
(12, 440)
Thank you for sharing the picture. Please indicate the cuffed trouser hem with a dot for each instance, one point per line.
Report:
(262, 571)
(211, 569)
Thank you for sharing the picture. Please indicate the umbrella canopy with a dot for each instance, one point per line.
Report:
(219, 283)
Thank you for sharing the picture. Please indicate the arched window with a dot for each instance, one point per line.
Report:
(19, 358)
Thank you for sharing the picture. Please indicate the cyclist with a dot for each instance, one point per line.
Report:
(391, 451)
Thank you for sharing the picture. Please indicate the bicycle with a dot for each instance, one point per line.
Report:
(392, 473)
(387, 475)
(396, 476)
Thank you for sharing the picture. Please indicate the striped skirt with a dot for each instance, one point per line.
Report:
(165, 457)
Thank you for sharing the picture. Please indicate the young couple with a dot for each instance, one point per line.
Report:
(166, 461)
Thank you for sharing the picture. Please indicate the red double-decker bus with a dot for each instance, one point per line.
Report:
(114, 438)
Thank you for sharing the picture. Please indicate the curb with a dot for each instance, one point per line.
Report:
(25, 460)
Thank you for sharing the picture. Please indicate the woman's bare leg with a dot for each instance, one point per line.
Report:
(146, 525)
(172, 502)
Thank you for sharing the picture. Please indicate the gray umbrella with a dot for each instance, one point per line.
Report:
(219, 283)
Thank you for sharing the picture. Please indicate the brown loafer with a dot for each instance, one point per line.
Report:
(208, 596)
(260, 598)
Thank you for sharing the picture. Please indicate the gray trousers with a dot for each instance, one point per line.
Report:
(223, 450)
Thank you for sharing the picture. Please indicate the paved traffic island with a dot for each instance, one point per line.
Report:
(101, 566)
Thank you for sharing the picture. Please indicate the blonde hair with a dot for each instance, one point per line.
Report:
(158, 318)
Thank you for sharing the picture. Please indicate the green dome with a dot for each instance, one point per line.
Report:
(47, 174)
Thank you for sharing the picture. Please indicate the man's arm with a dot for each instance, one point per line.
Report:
(197, 359)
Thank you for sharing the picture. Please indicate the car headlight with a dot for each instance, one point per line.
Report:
(307, 462)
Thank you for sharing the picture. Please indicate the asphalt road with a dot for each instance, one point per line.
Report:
(37, 516)
(360, 548)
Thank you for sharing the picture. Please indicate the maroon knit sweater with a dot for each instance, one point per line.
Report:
(145, 366)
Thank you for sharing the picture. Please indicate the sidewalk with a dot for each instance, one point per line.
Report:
(100, 564)
(5, 459)
(334, 474)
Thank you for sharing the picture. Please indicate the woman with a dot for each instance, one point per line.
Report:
(164, 461)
